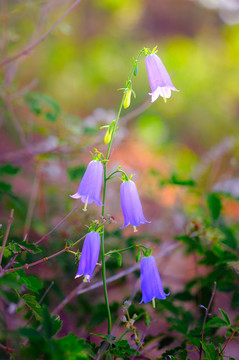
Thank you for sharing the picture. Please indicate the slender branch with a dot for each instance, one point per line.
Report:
(11, 261)
(57, 225)
(39, 41)
(7, 349)
(227, 342)
(205, 318)
(10, 219)
(27, 266)
(40, 301)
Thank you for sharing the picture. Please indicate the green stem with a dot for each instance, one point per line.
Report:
(115, 172)
(104, 194)
(122, 250)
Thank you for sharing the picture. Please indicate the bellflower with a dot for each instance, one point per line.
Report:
(90, 185)
(159, 79)
(151, 284)
(131, 205)
(89, 255)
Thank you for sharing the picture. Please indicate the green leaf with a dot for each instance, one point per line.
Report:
(71, 348)
(76, 173)
(43, 104)
(8, 169)
(5, 187)
(30, 333)
(226, 317)
(6, 252)
(46, 323)
(210, 351)
(216, 322)
(51, 324)
(214, 205)
(31, 282)
(34, 306)
(122, 348)
(235, 300)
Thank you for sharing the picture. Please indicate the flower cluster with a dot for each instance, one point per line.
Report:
(90, 189)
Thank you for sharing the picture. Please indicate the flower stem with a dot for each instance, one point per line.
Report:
(128, 248)
(103, 257)
(104, 195)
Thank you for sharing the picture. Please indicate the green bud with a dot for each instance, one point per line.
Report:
(119, 260)
(147, 320)
(107, 137)
(138, 256)
(127, 99)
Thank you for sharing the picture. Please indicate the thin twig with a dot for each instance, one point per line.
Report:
(32, 202)
(17, 125)
(227, 342)
(205, 318)
(39, 41)
(11, 261)
(27, 266)
(40, 301)
(7, 349)
(59, 224)
(10, 219)
(79, 290)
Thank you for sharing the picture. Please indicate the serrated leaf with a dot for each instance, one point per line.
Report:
(216, 322)
(34, 306)
(210, 351)
(226, 317)
(31, 282)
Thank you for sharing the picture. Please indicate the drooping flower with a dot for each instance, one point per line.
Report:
(151, 284)
(131, 205)
(159, 79)
(89, 255)
(90, 185)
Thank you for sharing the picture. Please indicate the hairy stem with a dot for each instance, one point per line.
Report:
(104, 196)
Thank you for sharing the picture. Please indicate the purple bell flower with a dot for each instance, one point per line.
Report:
(159, 79)
(151, 284)
(89, 255)
(131, 205)
(90, 185)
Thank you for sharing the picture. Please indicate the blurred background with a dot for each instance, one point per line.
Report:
(54, 100)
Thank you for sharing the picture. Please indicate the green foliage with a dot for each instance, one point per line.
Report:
(76, 173)
(41, 104)
(172, 136)
(122, 349)
(31, 302)
(214, 205)
(8, 169)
